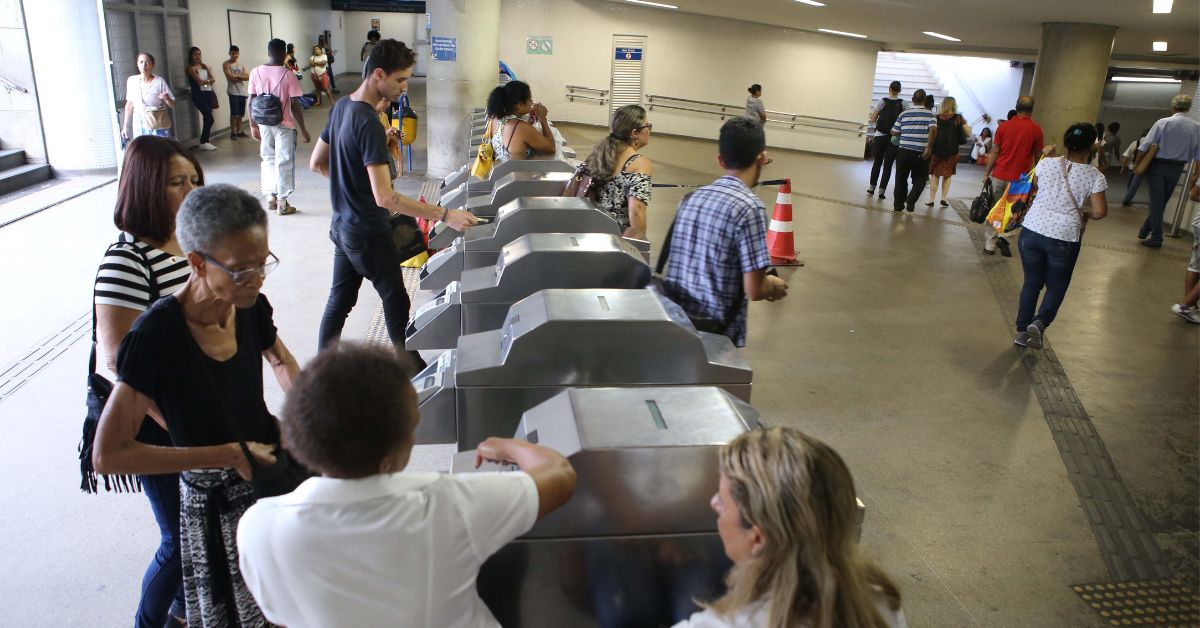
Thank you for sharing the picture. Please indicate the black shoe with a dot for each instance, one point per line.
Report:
(1002, 244)
(898, 210)
(1126, 204)
(1143, 235)
(881, 196)
(945, 204)
(929, 204)
(871, 190)
(1151, 244)
(911, 208)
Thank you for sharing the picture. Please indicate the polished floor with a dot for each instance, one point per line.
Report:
(893, 345)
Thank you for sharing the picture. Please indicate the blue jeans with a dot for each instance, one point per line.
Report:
(162, 586)
(1131, 190)
(1161, 178)
(1048, 263)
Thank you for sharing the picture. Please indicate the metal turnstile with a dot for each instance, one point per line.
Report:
(481, 244)
(558, 339)
(507, 189)
(458, 196)
(538, 261)
(457, 178)
(638, 541)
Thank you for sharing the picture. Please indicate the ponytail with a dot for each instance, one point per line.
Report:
(603, 159)
(504, 99)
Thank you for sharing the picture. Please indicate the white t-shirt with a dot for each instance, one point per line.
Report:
(319, 70)
(149, 91)
(1052, 213)
(388, 550)
(757, 616)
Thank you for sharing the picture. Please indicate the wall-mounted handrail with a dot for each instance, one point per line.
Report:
(10, 86)
(580, 88)
(573, 89)
(792, 120)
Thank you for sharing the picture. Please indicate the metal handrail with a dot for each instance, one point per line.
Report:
(587, 89)
(599, 99)
(10, 86)
(571, 95)
(791, 120)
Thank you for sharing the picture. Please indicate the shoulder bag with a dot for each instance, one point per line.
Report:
(155, 118)
(486, 158)
(98, 391)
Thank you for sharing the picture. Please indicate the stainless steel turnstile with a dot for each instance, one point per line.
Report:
(480, 301)
(457, 197)
(507, 189)
(637, 543)
(480, 245)
(557, 339)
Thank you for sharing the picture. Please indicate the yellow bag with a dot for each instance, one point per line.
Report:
(410, 130)
(486, 157)
(417, 261)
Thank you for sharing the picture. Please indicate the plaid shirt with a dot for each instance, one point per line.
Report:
(720, 233)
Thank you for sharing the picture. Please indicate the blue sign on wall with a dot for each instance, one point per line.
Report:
(445, 49)
(629, 54)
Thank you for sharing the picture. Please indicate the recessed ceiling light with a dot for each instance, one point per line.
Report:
(1160, 46)
(941, 36)
(653, 4)
(1163, 6)
(812, 2)
(842, 33)
(1144, 79)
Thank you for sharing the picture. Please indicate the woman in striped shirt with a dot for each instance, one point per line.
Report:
(144, 264)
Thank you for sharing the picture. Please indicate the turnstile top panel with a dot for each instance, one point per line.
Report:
(538, 261)
(529, 165)
(517, 184)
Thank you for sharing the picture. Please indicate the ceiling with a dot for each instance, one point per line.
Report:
(985, 26)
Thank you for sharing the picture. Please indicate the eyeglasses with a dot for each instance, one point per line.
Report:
(647, 126)
(243, 277)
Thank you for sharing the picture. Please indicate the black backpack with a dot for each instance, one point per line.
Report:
(892, 108)
(267, 109)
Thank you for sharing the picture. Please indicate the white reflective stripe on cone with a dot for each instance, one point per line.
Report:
(783, 199)
(779, 226)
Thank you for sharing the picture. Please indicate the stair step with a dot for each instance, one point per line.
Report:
(13, 179)
(11, 158)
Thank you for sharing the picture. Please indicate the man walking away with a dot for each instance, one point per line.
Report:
(278, 142)
(352, 152)
(718, 252)
(1178, 140)
(916, 128)
(372, 41)
(887, 110)
(1015, 149)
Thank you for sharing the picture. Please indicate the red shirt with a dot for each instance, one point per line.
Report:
(1017, 140)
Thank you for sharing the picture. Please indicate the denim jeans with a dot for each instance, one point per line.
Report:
(1131, 190)
(162, 585)
(1161, 178)
(909, 163)
(1048, 263)
(357, 255)
(884, 153)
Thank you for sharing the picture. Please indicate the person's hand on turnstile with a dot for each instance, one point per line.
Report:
(460, 220)
(552, 474)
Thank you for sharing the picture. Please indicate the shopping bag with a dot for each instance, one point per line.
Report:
(1009, 211)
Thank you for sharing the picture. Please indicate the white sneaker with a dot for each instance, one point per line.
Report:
(206, 146)
(1189, 314)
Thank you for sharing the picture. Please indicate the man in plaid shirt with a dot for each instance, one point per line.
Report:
(718, 252)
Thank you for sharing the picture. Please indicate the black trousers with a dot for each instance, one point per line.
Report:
(205, 106)
(357, 256)
(884, 153)
(909, 163)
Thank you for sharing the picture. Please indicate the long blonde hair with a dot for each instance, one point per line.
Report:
(603, 159)
(800, 494)
(949, 105)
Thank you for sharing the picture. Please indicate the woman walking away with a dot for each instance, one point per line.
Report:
(952, 131)
(755, 110)
(626, 173)
(318, 63)
(197, 357)
(147, 263)
(148, 102)
(512, 136)
(1052, 230)
(203, 97)
(787, 516)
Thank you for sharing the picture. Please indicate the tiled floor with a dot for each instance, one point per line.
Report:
(891, 346)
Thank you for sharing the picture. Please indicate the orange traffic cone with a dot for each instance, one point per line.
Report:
(780, 243)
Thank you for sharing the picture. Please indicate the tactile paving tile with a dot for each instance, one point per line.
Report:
(43, 353)
(254, 186)
(377, 330)
(1143, 602)
(1127, 545)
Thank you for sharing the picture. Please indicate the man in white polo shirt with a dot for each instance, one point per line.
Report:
(366, 544)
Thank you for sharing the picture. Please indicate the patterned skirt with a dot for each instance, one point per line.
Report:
(212, 503)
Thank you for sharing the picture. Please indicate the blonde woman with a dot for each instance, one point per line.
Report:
(786, 515)
(952, 131)
(615, 158)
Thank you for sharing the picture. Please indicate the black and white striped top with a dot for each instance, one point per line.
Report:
(124, 279)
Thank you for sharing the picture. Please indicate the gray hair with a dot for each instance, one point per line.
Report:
(1182, 102)
(211, 213)
(603, 159)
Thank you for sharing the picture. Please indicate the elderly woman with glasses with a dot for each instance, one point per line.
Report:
(195, 355)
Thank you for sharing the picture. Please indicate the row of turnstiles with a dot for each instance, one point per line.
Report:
(540, 325)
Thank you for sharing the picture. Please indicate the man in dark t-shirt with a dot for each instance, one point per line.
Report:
(352, 152)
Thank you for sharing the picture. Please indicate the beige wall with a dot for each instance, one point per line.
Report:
(695, 57)
(401, 26)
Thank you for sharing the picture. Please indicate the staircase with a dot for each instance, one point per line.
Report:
(16, 173)
(913, 74)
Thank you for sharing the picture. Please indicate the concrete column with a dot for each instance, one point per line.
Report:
(77, 114)
(1068, 80)
(457, 87)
